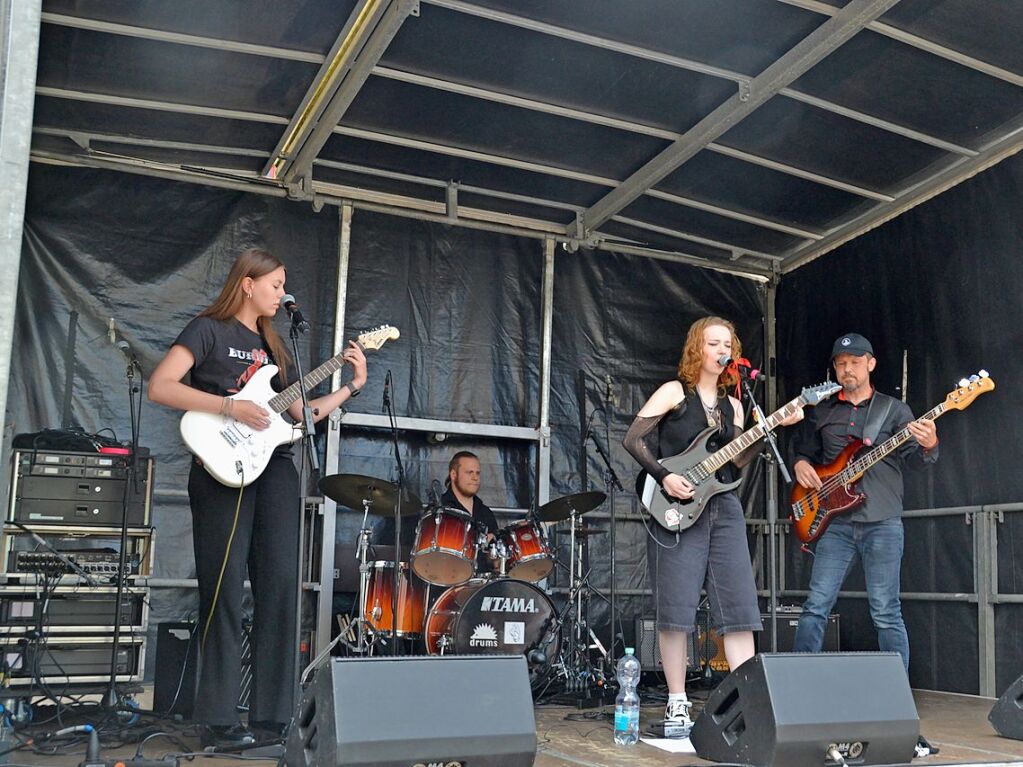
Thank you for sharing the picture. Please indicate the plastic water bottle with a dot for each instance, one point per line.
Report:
(627, 702)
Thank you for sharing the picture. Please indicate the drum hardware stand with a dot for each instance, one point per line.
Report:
(363, 556)
(580, 676)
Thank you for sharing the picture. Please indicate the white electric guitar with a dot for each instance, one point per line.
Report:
(236, 454)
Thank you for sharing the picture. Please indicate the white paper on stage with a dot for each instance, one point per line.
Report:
(671, 745)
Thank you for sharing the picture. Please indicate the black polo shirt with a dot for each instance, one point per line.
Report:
(834, 423)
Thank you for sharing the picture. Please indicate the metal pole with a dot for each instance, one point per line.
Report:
(771, 475)
(325, 604)
(543, 474)
(19, 51)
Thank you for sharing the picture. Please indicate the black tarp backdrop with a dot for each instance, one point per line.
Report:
(152, 253)
(942, 283)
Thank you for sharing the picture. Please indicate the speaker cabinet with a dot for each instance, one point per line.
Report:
(792, 708)
(1007, 714)
(401, 712)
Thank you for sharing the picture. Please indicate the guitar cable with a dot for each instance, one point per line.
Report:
(223, 564)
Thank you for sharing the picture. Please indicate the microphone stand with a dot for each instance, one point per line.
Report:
(397, 514)
(612, 483)
(309, 438)
(772, 512)
(111, 699)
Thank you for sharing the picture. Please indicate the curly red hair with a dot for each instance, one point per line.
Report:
(691, 361)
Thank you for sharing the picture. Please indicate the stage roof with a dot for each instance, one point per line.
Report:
(745, 135)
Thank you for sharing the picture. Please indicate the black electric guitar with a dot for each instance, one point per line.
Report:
(698, 465)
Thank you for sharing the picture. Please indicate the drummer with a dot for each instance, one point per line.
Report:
(463, 482)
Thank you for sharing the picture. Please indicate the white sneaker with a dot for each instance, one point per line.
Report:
(924, 748)
(677, 712)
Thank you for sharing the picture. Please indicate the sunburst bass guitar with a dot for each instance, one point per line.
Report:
(699, 466)
(236, 454)
(813, 510)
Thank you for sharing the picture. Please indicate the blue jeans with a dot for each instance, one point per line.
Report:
(879, 547)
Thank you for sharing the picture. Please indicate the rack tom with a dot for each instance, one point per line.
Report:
(445, 548)
(529, 555)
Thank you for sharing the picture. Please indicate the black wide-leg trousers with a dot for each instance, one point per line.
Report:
(265, 543)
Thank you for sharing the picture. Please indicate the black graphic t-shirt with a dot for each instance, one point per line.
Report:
(227, 354)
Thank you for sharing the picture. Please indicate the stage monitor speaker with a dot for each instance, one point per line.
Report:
(792, 709)
(1007, 714)
(401, 712)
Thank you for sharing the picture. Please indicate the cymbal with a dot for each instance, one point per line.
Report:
(352, 489)
(583, 531)
(562, 508)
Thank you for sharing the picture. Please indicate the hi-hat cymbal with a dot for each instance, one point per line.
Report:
(582, 531)
(564, 507)
(352, 489)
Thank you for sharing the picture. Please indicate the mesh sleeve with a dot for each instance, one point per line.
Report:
(641, 441)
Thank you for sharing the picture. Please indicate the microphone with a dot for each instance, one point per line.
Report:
(387, 393)
(609, 392)
(435, 493)
(288, 302)
(741, 364)
(536, 657)
(125, 349)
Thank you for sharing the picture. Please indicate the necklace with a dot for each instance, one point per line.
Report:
(710, 411)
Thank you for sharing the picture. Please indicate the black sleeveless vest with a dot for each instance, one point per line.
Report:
(684, 422)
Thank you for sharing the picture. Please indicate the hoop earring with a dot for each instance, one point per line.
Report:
(248, 295)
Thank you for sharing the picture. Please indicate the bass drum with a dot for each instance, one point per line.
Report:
(496, 617)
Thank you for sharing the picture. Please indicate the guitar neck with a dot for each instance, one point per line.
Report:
(731, 451)
(858, 467)
(280, 402)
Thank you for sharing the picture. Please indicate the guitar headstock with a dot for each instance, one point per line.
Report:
(377, 337)
(811, 395)
(968, 390)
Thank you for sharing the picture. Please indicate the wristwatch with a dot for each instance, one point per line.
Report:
(352, 390)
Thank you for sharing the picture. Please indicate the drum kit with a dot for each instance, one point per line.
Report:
(476, 611)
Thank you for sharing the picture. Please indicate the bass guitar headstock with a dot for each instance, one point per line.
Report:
(968, 390)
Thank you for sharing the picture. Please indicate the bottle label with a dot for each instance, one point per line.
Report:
(626, 718)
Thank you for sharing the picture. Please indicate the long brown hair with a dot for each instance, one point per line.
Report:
(692, 355)
(254, 263)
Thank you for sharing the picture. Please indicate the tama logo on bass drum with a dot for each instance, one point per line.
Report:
(508, 605)
(438, 764)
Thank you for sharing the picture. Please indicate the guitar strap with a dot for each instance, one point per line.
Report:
(876, 416)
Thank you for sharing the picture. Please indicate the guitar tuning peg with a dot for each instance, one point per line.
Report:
(983, 373)
(974, 378)
(963, 382)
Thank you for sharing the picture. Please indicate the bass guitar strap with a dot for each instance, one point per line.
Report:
(876, 417)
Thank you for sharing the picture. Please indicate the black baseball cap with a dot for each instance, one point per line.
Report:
(851, 343)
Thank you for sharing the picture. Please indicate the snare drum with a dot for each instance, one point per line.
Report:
(411, 600)
(445, 549)
(529, 555)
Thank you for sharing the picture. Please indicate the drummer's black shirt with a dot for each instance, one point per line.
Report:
(481, 513)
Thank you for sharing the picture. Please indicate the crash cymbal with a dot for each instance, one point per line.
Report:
(562, 508)
(583, 531)
(352, 489)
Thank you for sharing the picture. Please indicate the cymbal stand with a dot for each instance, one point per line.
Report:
(574, 620)
(363, 556)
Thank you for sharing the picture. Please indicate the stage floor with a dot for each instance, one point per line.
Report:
(956, 724)
(567, 737)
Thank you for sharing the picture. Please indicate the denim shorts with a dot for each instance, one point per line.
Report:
(713, 554)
